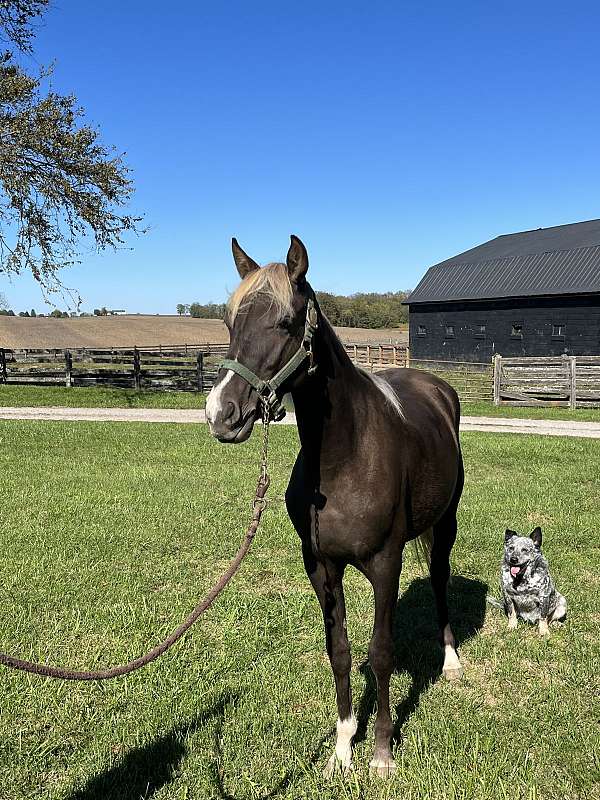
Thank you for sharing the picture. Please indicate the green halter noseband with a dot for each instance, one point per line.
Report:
(269, 391)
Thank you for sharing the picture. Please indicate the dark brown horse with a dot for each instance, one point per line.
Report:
(379, 465)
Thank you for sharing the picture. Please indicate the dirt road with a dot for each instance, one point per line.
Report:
(545, 427)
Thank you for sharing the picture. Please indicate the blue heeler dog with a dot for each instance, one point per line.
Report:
(527, 587)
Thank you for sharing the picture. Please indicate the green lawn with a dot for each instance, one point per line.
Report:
(483, 409)
(96, 397)
(110, 533)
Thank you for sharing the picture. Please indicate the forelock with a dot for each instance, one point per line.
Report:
(272, 281)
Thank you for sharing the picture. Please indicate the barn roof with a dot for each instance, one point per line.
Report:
(547, 261)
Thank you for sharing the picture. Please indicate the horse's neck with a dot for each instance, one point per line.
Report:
(327, 404)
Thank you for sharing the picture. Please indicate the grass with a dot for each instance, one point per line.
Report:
(485, 409)
(96, 397)
(96, 569)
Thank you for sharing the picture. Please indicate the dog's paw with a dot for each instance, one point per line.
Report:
(512, 624)
(543, 628)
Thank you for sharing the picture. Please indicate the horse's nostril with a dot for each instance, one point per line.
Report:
(228, 411)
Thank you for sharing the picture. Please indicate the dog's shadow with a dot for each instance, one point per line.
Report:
(416, 643)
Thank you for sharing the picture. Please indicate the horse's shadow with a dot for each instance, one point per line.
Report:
(146, 769)
(416, 643)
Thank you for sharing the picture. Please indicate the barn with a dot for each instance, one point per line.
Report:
(534, 293)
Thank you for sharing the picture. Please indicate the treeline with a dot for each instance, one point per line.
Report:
(57, 313)
(202, 310)
(363, 310)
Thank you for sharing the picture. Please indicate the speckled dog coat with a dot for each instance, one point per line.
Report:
(526, 582)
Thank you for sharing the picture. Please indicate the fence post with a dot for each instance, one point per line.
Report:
(573, 382)
(137, 379)
(200, 371)
(2, 366)
(68, 369)
(407, 357)
(497, 378)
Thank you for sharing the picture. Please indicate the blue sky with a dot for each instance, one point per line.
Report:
(388, 136)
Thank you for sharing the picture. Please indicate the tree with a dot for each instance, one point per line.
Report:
(180, 309)
(32, 313)
(59, 185)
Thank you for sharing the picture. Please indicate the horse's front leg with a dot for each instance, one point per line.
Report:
(384, 575)
(326, 578)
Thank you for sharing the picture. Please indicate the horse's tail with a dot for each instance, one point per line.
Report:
(422, 546)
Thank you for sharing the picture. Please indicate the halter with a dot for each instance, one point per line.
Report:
(268, 391)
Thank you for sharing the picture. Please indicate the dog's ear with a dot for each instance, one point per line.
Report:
(536, 536)
(508, 534)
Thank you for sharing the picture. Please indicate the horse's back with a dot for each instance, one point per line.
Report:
(423, 394)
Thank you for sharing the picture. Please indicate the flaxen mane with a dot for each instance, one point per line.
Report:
(271, 280)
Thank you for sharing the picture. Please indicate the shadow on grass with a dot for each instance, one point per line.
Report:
(417, 648)
(142, 772)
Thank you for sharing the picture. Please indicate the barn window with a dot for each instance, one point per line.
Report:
(558, 330)
(421, 330)
(449, 331)
(517, 330)
(480, 330)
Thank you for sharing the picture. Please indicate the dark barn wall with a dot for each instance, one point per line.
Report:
(537, 315)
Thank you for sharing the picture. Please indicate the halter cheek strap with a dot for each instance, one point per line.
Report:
(269, 390)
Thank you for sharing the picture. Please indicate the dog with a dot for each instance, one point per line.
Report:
(527, 588)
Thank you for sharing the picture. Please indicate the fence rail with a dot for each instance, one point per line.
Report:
(194, 367)
(173, 367)
(567, 381)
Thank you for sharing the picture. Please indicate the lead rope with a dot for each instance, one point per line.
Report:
(258, 506)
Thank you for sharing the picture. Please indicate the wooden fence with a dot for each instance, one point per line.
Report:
(194, 367)
(568, 381)
(377, 356)
(472, 380)
(172, 367)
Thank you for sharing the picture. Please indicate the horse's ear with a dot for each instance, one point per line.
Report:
(508, 534)
(536, 536)
(245, 265)
(297, 260)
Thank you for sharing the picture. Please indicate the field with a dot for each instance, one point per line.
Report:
(109, 535)
(149, 330)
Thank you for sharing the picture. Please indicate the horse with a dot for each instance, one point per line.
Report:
(379, 465)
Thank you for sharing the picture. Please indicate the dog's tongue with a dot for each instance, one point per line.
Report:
(514, 571)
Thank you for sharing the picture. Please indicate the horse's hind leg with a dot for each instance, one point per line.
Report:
(327, 583)
(444, 535)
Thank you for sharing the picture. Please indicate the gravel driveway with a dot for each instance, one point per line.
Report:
(545, 427)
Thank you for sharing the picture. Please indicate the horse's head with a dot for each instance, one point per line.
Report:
(268, 332)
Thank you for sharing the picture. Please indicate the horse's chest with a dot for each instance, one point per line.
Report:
(350, 524)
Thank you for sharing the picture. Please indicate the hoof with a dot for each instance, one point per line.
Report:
(453, 673)
(382, 767)
(335, 765)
